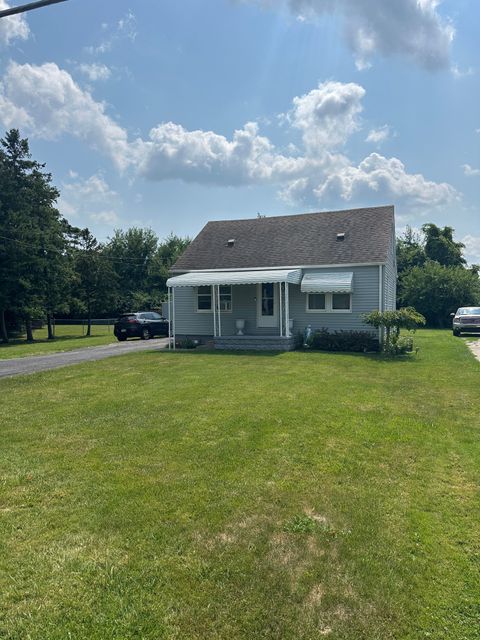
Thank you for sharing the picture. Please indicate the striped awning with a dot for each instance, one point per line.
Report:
(205, 278)
(327, 282)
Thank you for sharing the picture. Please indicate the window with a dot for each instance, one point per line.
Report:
(204, 299)
(340, 302)
(267, 306)
(329, 302)
(225, 297)
(316, 302)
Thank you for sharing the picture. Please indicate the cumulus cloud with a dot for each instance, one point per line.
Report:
(472, 248)
(95, 71)
(327, 116)
(46, 102)
(377, 136)
(410, 28)
(91, 198)
(12, 27)
(470, 171)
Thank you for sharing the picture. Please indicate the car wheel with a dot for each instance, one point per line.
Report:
(457, 333)
(146, 334)
(121, 338)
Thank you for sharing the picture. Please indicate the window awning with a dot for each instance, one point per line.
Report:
(327, 282)
(205, 278)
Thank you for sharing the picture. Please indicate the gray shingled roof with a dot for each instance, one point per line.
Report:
(306, 239)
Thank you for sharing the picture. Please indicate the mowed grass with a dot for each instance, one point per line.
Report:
(218, 496)
(67, 338)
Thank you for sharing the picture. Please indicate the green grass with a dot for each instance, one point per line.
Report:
(68, 338)
(219, 496)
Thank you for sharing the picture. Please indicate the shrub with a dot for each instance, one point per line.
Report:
(358, 341)
(392, 321)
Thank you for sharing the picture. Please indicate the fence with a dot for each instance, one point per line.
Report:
(77, 326)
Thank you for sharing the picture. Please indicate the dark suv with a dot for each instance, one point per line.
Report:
(145, 325)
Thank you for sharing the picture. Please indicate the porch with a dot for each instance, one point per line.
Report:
(254, 343)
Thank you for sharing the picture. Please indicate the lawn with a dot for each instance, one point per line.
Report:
(193, 495)
(68, 338)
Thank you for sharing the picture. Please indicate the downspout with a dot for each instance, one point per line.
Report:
(380, 299)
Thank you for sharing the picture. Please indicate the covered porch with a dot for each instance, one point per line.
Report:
(245, 309)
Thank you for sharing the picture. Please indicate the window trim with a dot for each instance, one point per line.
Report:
(328, 304)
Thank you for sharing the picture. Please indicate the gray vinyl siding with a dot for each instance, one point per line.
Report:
(390, 278)
(365, 298)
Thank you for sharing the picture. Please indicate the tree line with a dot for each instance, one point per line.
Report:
(433, 275)
(50, 267)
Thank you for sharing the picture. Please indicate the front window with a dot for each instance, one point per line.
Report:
(204, 298)
(316, 302)
(225, 298)
(329, 302)
(341, 302)
(469, 311)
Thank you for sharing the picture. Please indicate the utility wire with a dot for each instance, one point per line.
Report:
(100, 255)
(28, 7)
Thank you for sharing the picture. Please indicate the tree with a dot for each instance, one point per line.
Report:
(31, 229)
(392, 322)
(437, 290)
(441, 247)
(96, 281)
(169, 250)
(410, 251)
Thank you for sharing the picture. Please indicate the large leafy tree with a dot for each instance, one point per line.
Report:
(167, 253)
(436, 290)
(441, 247)
(95, 284)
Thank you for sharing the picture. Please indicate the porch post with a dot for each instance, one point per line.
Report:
(287, 312)
(219, 314)
(214, 312)
(280, 310)
(173, 319)
(169, 322)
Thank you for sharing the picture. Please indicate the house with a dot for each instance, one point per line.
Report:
(255, 283)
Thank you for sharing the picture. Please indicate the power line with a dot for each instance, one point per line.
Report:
(28, 7)
(99, 255)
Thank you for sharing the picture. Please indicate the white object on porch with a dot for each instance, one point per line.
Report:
(239, 326)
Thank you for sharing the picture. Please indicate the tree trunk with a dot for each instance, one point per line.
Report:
(3, 327)
(28, 327)
(49, 327)
(89, 323)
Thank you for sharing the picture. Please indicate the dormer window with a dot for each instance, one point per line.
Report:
(340, 237)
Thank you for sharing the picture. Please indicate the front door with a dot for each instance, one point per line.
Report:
(267, 305)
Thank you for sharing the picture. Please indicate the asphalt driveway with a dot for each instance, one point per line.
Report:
(33, 364)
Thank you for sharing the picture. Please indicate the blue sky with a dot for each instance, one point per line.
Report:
(167, 114)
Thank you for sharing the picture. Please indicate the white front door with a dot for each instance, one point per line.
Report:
(267, 305)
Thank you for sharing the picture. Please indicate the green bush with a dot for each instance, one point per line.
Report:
(392, 321)
(358, 341)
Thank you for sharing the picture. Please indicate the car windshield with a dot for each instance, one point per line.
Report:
(469, 311)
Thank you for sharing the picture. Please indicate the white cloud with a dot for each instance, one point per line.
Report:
(88, 198)
(327, 116)
(377, 178)
(105, 217)
(12, 27)
(472, 248)
(377, 136)
(470, 171)
(95, 71)
(462, 73)
(411, 28)
(47, 102)
(125, 28)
